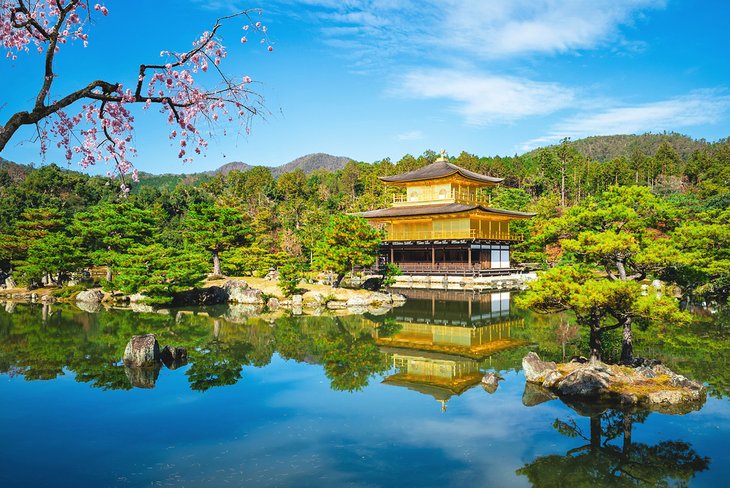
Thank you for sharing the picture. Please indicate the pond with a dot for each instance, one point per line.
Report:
(389, 400)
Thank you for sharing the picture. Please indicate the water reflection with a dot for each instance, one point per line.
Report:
(439, 340)
(439, 343)
(607, 455)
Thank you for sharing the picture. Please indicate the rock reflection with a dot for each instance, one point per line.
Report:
(142, 377)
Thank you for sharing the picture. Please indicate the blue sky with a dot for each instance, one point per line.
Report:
(371, 79)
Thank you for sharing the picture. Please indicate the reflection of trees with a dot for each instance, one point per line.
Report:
(599, 462)
(344, 345)
(91, 345)
(218, 364)
(350, 359)
(700, 351)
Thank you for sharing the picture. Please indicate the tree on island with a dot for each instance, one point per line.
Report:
(101, 129)
(348, 241)
(599, 304)
(618, 239)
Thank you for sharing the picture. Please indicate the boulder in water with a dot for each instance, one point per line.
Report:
(536, 370)
(173, 357)
(142, 351)
(90, 296)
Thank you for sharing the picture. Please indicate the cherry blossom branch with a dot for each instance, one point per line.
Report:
(173, 86)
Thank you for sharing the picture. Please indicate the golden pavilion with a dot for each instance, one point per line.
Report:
(444, 224)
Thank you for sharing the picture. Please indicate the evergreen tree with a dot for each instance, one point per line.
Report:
(348, 241)
(215, 229)
(54, 255)
(109, 229)
(158, 272)
(621, 238)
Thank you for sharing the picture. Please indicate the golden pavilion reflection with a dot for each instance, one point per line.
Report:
(443, 340)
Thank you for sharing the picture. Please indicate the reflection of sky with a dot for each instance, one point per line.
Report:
(282, 425)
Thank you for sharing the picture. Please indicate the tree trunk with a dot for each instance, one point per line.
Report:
(595, 433)
(109, 273)
(595, 343)
(339, 279)
(627, 344)
(216, 263)
(628, 425)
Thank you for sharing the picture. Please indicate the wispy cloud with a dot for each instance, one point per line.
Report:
(414, 135)
(699, 107)
(514, 27)
(488, 29)
(484, 98)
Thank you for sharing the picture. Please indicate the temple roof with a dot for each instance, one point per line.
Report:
(438, 209)
(439, 169)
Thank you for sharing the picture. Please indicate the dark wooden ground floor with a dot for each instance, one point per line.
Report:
(463, 257)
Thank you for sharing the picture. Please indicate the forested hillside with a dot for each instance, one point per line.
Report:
(51, 211)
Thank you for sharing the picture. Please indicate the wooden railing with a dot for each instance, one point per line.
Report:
(456, 269)
(458, 196)
(451, 234)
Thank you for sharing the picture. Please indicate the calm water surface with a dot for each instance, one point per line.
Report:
(372, 400)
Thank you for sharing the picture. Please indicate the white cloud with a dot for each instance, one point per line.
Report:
(513, 27)
(489, 29)
(699, 107)
(483, 98)
(414, 135)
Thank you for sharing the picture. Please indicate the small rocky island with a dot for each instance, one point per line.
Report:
(651, 385)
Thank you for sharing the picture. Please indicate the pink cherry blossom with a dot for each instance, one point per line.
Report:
(102, 128)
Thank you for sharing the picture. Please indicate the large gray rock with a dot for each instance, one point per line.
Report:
(141, 307)
(359, 302)
(552, 378)
(90, 296)
(142, 351)
(536, 370)
(490, 382)
(585, 382)
(239, 292)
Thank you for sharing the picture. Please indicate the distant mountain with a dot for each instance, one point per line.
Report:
(605, 148)
(308, 164)
(313, 162)
(228, 167)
